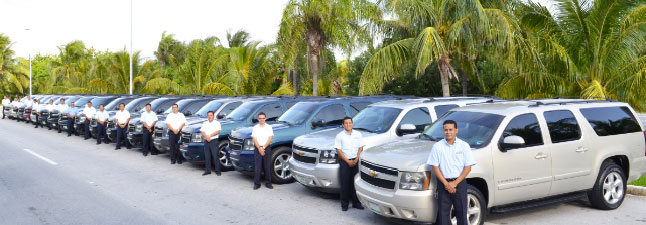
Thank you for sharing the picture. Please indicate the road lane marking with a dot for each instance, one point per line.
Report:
(41, 157)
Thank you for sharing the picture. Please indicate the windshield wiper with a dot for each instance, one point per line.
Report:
(366, 129)
(429, 137)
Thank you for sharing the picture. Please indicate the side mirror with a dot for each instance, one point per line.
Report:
(222, 116)
(406, 129)
(318, 123)
(187, 113)
(511, 142)
(254, 120)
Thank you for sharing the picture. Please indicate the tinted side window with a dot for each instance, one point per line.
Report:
(358, 106)
(163, 107)
(562, 126)
(290, 104)
(331, 115)
(230, 107)
(441, 109)
(418, 117)
(525, 126)
(611, 120)
(273, 111)
(193, 108)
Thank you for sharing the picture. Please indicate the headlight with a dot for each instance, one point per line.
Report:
(196, 137)
(328, 156)
(139, 128)
(414, 181)
(248, 145)
(164, 132)
(82, 119)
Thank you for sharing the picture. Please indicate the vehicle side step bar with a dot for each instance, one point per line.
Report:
(540, 202)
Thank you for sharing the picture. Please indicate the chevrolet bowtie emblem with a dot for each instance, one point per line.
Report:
(373, 173)
(301, 153)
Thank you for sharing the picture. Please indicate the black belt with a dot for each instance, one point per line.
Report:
(450, 179)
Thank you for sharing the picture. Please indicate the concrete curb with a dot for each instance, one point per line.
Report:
(636, 190)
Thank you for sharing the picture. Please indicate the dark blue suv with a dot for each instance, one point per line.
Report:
(303, 118)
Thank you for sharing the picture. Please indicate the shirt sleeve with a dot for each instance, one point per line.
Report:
(218, 126)
(253, 132)
(337, 142)
(270, 132)
(361, 141)
(154, 115)
(468, 156)
(434, 157)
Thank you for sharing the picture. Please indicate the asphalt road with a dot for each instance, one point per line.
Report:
(49, 178)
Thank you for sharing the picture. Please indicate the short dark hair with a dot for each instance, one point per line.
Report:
(101, 105)
(120, 104)
(262, 114)
(149, 105)
(207, 113)
(455, 125)
(174, 105)
(347, 118)
(62, 99)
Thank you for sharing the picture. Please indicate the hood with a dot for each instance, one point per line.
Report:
(324, 139)
(405, 155)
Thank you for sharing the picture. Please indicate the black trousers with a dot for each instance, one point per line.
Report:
(122, 135)
(38, 121)
(262, 163)
(174, 147)
(346, 179)
(70, 126)
(148, 141)
(86, 128)
(100, 132)
(211, 151)
(458, 200)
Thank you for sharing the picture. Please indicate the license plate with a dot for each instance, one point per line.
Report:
(374, 207)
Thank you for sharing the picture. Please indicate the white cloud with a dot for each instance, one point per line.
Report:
(105, 25)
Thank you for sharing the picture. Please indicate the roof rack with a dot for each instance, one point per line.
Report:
(461, 98)
(582, 101)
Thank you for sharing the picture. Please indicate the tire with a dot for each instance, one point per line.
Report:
(225, 163)
(279, 159)
(476, 208)
(609, 190)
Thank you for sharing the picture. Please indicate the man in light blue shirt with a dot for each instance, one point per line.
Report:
(71, 115)
(349, 145)
(451, 159)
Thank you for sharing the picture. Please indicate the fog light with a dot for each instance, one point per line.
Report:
(409, 214)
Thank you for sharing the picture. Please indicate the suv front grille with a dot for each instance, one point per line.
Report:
(235, 143)
(131, 128)
(159, 132)
(379, 169)
(305, 149)
(305, 159)
(186, 137)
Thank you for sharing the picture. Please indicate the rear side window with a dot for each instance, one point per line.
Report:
(358, 106)
(441, 109)
(525, 126)
(418, 117)
(562, 126)
(230, 107)
(331, 115)
(273, 111)
(608, 121)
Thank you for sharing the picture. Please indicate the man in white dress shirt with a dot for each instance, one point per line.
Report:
(89, 113)
(62, 110)
(36, 108)
(121, 120)
(349, 145)
(50, 108)
(262, 135)
(5, 105)
(175, 121)
(210, 131)
(149, 119)
(101, 117)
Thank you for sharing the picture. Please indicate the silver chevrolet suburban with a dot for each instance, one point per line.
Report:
(528, 153)
(379, 123)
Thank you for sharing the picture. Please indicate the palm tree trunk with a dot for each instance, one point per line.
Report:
(464, 83)
(295, 80)
(315, 73)
(446, 72)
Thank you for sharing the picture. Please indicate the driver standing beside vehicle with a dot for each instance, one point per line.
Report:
(349, 145)
(451, 159)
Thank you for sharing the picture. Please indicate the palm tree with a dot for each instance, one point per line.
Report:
(13, 76)
(447, 32)
(588, 48)
(325, 23)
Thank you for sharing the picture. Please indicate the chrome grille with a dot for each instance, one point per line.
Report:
(235, 143)
(378, 175)
(131, 128)
(186, 137)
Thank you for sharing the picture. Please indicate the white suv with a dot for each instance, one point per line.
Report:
(316, 164)
(528, 153)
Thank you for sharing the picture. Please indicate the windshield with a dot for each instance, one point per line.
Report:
(212, 106)
(298, 113)
(181, 106)
(243, 111)
(137, 104)
(376, 119)
(82, 102)
(475, 128)
(157, 104)
(69, 100)
(101, 101)
(114, 105)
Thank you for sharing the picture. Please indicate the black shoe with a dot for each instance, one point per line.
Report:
(344, 208)
(128, 147)
(69, 135)
(256, 186)
(358, 206)
(172, 162)
(116, 149)
(85, 138)
(218, 173)
(98, 143)
(269, 186)
(145, 154)
(154, 153)
(179, 162)
(206, 173)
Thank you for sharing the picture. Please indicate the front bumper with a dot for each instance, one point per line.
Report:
(136, 139)
(417, 206)
(193, 152)
(161, 144)
(112, 134)
(320, 176)
(243, 161)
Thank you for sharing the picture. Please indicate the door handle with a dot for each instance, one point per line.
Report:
(540, 156)
(581, 150)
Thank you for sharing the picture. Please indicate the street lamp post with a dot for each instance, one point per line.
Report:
(130, 47)
(28, 49)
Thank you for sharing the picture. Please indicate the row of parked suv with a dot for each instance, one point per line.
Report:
(528, 152)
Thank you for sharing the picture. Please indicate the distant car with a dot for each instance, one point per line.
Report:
(528, 153)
